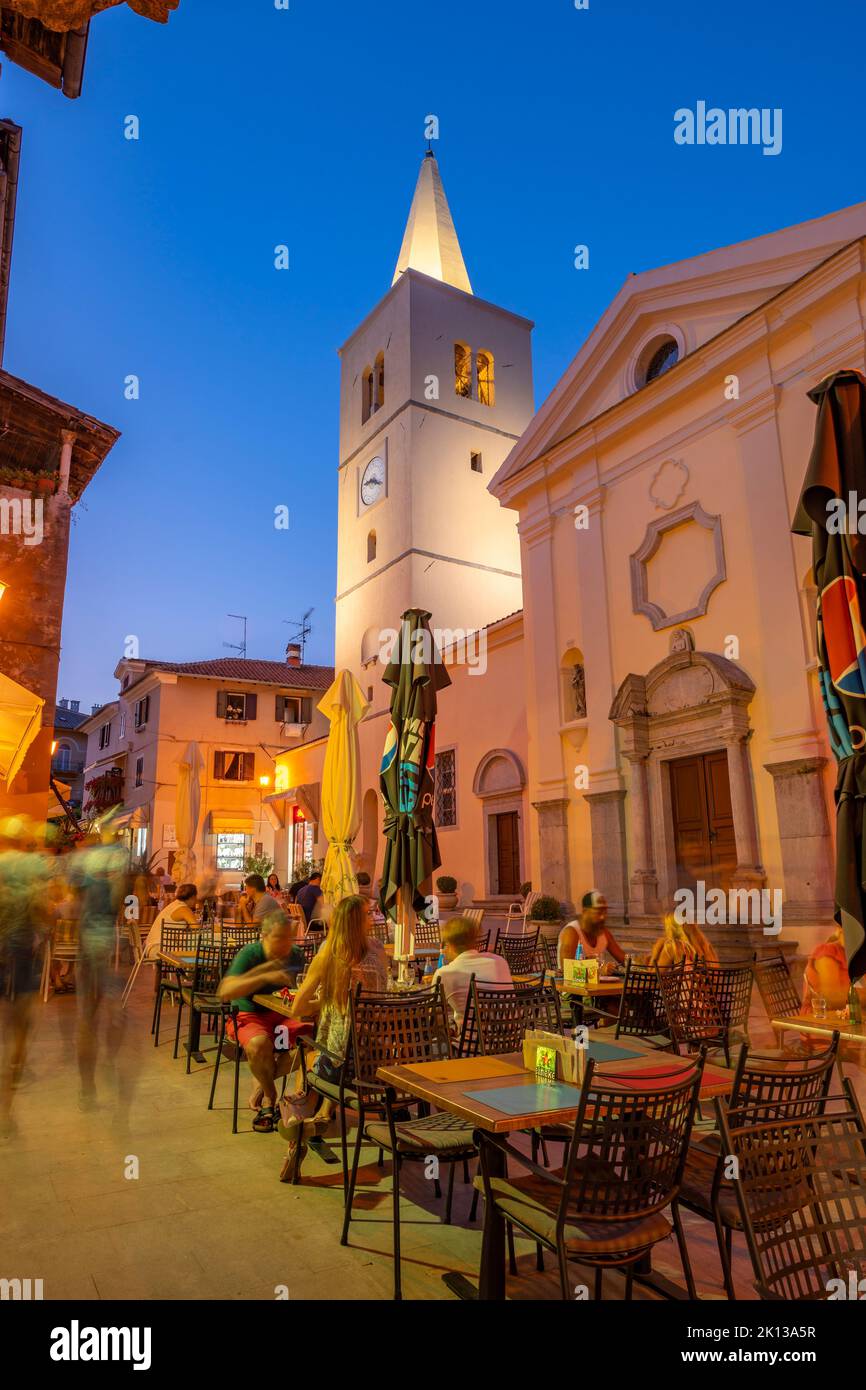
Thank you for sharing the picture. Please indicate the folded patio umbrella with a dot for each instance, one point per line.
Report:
(344, 705)
(837, 474)
(186, 814)
(416, 675)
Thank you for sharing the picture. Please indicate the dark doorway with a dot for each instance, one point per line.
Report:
(703, 821)
(507, 853)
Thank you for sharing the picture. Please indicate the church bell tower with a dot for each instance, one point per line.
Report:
(436, 387)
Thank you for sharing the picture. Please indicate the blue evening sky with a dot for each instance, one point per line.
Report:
(259, 127)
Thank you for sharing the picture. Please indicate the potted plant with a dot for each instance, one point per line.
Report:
(258, 864)
(45, 482)
(446, 887)
(547, 915)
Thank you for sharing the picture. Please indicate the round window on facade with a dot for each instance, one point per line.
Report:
(659, 357)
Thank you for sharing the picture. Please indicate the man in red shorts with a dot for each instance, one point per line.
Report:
(264, 965)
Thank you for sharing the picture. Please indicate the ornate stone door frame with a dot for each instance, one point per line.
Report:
(499, 783)
(692, 702)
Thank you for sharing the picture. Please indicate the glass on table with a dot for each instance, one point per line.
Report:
(819, 1005)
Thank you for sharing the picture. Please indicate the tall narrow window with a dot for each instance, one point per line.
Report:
(475, 462)
(445, 782)
(379, 382)
(486, 387)
(371, 546)
(463, 370)
(366, 394)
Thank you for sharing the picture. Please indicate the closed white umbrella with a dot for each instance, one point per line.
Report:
(187, 812)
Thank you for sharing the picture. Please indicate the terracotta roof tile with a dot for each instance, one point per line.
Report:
(240, 669)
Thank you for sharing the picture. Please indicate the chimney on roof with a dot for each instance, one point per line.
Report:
(94, 708)
(75, 705)
(64, 704)
(293, 654)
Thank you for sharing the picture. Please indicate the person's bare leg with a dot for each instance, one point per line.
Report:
(260, 1055)
(14, 1053)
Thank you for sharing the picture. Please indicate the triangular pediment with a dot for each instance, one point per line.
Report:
(691, 302)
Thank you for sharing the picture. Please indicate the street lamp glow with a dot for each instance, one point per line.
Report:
(3, 588)
(264, 781)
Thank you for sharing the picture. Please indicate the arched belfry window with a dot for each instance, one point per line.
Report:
(371, 546)
(379, 382)
(367, 385)
(463, 370)
(657, 358)
(484, 373)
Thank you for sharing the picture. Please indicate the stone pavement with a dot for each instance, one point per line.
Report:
(207, 1218)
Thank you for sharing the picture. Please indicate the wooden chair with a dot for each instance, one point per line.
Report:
(607, 1206)
(801, 1194)
(771, 1087)
(518, 951)
(401, 1030)
(520, 912)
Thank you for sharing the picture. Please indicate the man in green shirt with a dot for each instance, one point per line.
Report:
(271, 963)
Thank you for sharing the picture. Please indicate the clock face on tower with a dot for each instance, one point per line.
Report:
(373, 482)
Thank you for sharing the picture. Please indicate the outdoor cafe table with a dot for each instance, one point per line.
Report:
(452, 1085)
(821, 1027)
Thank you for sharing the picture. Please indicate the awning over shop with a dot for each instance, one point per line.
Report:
(230, 823)
(20, 722)
(56, 809)
(130, 820)
(306, 799)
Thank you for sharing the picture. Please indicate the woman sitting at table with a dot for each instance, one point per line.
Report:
(681, 941)
(826, 975)
(350, 955)
(180, 912)
(273, 887)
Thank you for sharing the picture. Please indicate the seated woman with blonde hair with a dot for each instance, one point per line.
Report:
(350, 955)
(682, 941)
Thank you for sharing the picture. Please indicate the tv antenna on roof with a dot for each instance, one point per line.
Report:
(242, 645)
(303, 630)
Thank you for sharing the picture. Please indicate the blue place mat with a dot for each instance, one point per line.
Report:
(610, 1052)
(528, 1100)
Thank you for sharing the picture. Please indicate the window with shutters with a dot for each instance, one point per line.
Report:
(294, 709)
(236, 707)
(121, 733)
(142, 712)
(139, 772)
(445, 776)
(233, 767)
(105, 735)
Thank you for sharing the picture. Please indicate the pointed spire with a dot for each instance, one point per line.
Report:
(430, 242)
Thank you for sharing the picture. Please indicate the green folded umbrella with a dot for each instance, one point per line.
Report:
(835, 483)
(406, 777)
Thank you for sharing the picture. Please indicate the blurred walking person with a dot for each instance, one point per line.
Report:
(24, 881)
(99, 869)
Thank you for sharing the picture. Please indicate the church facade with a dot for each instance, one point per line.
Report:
(639, 709)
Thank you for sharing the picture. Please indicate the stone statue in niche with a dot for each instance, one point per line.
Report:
(682, 640)
(578, 691)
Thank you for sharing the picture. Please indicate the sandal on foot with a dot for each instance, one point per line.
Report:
(264, 1121)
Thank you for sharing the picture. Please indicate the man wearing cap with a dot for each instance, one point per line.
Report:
(589, 932)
